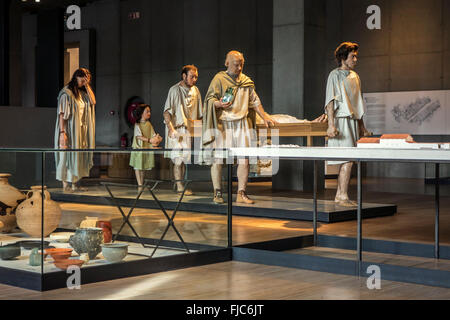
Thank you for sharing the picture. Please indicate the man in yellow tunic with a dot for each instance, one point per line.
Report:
(345, 109)
(229, 117)
(183, 105)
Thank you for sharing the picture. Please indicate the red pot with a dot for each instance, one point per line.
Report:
(107, 230)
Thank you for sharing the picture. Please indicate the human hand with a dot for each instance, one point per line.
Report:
(322, 119)
(222, 105)
(332, 132)
(172, 133)
(363, 132)
(269, 122)
(63, 141)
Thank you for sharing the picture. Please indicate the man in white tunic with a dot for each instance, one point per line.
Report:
(229, 117)
(183, 106)
(345, 109)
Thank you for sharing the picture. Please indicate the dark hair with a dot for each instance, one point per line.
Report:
(139, 111)
(188, 68)
(344, 50)
(73, 84)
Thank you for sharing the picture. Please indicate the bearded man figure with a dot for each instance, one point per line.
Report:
(183, 106)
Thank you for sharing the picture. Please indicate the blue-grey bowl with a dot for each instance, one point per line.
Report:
(114, 252)
(10, 251)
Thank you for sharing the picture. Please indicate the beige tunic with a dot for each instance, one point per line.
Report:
(183, 104)
(344, 88)
(245, 98)
(80, 130)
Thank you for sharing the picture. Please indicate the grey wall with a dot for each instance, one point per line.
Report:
(27, 128)
(410, 53)
(144, 57)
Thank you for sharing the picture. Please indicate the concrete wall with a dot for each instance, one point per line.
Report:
(144, 57)
(411, 52)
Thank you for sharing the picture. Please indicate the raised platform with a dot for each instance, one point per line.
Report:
(201, 202)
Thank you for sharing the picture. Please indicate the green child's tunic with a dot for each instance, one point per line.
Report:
(142, 160)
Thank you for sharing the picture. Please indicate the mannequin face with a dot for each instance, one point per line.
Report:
(147, 114)
(235, 66)
(190, 79)
(82, 82)
(351, 61)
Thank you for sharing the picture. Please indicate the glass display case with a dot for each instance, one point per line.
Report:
(58, 230)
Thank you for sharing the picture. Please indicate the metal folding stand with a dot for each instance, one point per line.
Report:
(170, 220)
(126, 217)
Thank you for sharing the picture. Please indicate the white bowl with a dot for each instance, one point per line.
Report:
(62, 237)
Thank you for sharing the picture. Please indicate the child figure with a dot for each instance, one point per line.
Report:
(144, 138)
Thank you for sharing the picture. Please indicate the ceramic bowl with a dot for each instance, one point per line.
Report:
(30, 245)
(114, 252)
(62, 237)
(10, 251)
(64, 264)
(59, 253)
(61, 256)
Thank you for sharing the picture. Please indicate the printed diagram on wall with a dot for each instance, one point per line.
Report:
(415, 112)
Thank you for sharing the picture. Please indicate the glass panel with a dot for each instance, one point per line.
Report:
(118, 214)
(21, 215)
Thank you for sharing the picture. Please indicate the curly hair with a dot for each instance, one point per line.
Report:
(188, 68)
(344, 50)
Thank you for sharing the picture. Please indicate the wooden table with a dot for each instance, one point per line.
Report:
(307, 129)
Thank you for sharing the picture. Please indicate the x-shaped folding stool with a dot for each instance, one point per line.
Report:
(126, 218)
(170, 220)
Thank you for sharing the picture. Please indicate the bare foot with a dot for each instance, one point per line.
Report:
(67, 189)
(345, 203)
(79, 189)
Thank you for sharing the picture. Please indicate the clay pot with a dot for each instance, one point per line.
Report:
(107, 230)
(10, 198)
(89, 222)
(87, 241)
(29, 213)
(64, 264)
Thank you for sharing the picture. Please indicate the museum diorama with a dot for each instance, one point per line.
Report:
(147, 136)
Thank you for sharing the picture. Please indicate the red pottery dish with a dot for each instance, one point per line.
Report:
(61, 256)
(57, 250)
(59, 253)
(64, 264)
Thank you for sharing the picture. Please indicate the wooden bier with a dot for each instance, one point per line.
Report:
(307, 129)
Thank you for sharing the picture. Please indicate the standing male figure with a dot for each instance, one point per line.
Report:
(230, 106)
(345, 109)
(183, 105)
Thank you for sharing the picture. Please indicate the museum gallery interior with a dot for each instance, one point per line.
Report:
(140, 137)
